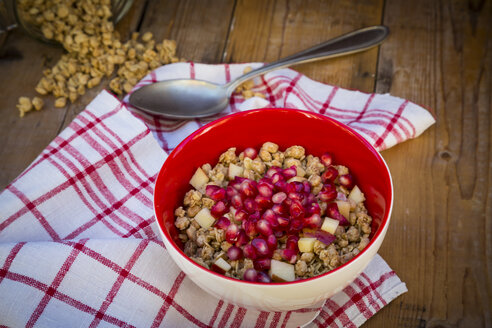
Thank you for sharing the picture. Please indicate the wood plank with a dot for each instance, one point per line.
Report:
(268, 30)
(439, 242)
(200, 28)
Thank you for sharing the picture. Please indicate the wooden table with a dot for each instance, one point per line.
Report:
(439, 54)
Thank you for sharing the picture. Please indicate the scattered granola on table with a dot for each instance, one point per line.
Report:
(94, 50)
(266, 215)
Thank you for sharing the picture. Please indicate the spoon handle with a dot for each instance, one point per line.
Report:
(349, 43)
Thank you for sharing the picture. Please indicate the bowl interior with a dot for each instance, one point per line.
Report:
(286, 127)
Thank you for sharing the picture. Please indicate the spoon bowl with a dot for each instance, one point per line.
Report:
(181, 98)
(185, 99)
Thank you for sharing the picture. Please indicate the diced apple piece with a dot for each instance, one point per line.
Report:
(235, 171)
(344, 208)
(281, 271)
(305, 244)
(199, 179)
(356, 195)
(330, 225)
(221, 266)
(204, 218)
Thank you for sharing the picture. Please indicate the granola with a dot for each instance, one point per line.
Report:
(270, 215)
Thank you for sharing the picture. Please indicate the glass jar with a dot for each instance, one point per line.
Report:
(12, 16)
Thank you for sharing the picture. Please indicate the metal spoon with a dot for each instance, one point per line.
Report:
(185, 98)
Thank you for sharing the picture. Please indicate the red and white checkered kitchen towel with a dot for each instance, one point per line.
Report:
(78, 241)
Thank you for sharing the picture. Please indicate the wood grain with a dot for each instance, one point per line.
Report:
(268, 30)
(439, 54)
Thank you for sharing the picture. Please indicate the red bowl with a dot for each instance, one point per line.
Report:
(285, 127)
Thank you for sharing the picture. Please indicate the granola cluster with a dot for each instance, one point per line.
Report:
(211, 208)
(94, 50)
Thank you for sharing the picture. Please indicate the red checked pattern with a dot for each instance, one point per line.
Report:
(78, 242)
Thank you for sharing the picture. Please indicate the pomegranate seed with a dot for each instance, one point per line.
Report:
(291, 242)
(341, 196)
(330, 174)
(307, 187)
(215, 192)
(265, 189)
(218, 209)
(289, 172)
(241, 215)
(326, 159)
(231, 233)
(237, 201)
(263, 277)
(272, 170)
(328, 193)
(255, 216)
(279, 233)
(296, 226)
(313, 209)
(249, 251)
(261, 247)
(234, 253)
(263, 202)
(242, 238)
(313, 221)
(236, 182)
(272, 242)
(325, 237)
(269, 215)
(262, 264)
(290, 187)
(296, 209)
(250, 275)
(230, 192)
(264, 227)
(249, 227)
(279, 209)
(249, 205)
(277, 177)
(299, 186)
(332, 212)
(296, 196)
(308, 200)
(280, 185)
(279, 197)
(289, 255)
(248, 188)
(283, 222)
(347, 180)
(222, 223)
(250, 152)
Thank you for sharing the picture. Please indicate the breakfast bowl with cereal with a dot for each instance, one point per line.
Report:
(275, 209)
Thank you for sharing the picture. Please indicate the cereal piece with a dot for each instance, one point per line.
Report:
(60, 102)
(37, 103)
(179, 212)
(229, 156)
(270, 147)
(307, 257)
(247, 94)
(353, 234)
(147, 36)
(182, 223)
(265, 155)
(295, 152)
(24, 105)
(301, 268)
